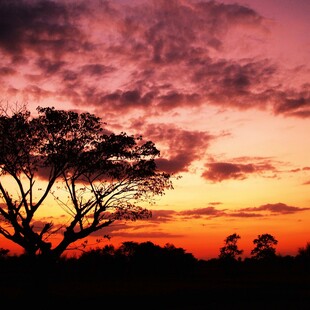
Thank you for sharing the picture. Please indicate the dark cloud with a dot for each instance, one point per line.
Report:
(4, 71)
(177, 36)
(95, 69)
(41, 26)
(234, 83)
(155, 57)
(49, 67)
(244, 214)
(180, 148)
(215, 203)
(202, 212)
(174, 164)
(297, 170)
(280, 208)
(261, 211)
(69, 76)
(122, 100)
(174, 28)
(174, 99)
(162, 216)
(293, 103)
(220, 171)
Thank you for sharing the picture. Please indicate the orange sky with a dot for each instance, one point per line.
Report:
(221, 87)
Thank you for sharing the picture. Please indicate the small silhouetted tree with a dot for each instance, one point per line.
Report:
(264, 247)
(4, 252)
(304, 252)
(230, 250)
(128, 248)
(303, 256)
(96, 178)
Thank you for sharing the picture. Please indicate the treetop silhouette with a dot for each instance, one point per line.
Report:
(264, 247)
(105, 177)
(230, 250)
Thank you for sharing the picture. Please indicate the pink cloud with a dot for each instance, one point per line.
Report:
(201, 212)
(261, 211)
(220, 171)
(39, 26)
(280, 208)
(152, 56)
(141, 229)
(162, 216)
(180, 147)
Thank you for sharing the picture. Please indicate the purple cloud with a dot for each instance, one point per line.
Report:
(220, 171)
(153, 57)
(279, 208)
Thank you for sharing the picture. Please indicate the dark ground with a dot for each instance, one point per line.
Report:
(208, 286)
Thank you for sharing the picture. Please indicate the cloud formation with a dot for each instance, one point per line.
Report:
(150, 56)
(180, 147)
(144, 59)
(238, 169)
(151, 228)
(276, 208)
(211, 212)
(261, 211)
(42, 27)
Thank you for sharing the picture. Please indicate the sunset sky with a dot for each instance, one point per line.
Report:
(221, 87)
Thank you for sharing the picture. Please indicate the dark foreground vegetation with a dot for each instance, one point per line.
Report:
(147, 276)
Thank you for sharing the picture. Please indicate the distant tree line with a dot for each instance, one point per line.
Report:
(147, 258)
(145, 273)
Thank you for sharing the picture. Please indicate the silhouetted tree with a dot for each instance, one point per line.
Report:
(4, 252)
(128, 248)
(230, 250)
(303, 257)
(95, 176)
(265, 247)
(304, 252)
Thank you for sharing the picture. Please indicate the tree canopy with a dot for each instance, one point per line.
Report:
(230, 250)
(264, 247)
(104, 176)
